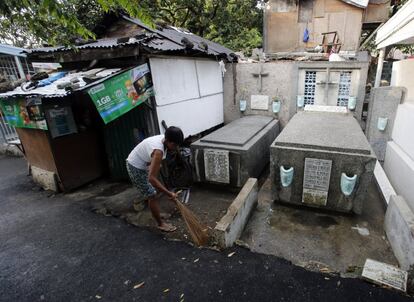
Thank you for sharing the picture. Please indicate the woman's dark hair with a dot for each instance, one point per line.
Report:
(174, 135)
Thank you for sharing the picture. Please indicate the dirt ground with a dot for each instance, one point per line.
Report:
(208, 202)
(317, 239)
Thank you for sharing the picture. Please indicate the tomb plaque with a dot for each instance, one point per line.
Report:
(216, 163)
(316, 178)
(382, 273)
(259, 102)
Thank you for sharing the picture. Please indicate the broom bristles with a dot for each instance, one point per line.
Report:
(197, 230)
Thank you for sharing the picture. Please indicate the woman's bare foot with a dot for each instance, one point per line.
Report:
(165, 216)
(167, 227)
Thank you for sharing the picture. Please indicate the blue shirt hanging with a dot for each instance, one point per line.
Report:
(306, 35)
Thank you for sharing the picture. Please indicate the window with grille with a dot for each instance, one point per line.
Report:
(344, 88)
(9, 68)
(310, 85)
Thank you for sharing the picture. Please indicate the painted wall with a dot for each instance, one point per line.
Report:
(286, 21)
(399, 156)
(282, 81)
(403, 75)
(188, 93)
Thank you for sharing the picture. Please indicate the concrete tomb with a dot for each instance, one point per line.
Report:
(239, 150)
(322, 159)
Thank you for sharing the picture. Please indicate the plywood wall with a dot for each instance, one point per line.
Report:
(286, 22)
(188, 93)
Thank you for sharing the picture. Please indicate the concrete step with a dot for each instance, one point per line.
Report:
(399, 227)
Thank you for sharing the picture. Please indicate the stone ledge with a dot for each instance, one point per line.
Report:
(231, 225)
(383, 183)
(399, 227)
(11, 150)
(46, 179)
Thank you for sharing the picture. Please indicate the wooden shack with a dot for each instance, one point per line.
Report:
(291, 25)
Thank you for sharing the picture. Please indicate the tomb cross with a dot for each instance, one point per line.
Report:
(260, 75)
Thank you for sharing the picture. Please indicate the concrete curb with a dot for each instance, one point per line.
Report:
(10, 150)
(231, 225)
(399, 227)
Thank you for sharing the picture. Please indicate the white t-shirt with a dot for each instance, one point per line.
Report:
(140, 156)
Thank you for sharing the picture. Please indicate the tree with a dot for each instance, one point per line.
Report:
(30, 22)
(236, 24)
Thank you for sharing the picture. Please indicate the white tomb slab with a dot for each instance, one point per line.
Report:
(385, 274)
(319, 108)
(259, 102)
(399, 168)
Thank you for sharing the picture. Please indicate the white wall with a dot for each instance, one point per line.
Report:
(403, 75)
(188, 93)
(399, 156)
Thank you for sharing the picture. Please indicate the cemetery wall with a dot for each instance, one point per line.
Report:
(280, 80)
(241, 84)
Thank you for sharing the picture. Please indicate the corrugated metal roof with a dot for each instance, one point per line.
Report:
(52, 90)
(12, 50)
(166, 39)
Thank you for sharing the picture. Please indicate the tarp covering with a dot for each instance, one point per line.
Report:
(399, 29)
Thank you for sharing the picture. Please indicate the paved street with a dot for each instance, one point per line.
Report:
(55, 249)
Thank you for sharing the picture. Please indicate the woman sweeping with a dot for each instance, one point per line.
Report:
(143, 165)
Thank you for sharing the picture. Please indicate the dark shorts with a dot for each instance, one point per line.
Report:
(139, 179)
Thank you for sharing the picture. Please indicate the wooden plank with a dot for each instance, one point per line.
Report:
(353, 26)
(333, 6)
(320, 25)
(319, 9)
(282, 32)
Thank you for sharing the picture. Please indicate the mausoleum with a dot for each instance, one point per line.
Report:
(239, 150)
(322, 159)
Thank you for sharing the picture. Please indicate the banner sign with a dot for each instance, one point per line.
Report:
(118, 95)
(60, 120)
(24, 113)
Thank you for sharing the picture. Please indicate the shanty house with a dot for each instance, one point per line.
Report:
(116, 90)
(291, 25)
(13, 63)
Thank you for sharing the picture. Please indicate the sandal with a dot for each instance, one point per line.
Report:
(166, 227)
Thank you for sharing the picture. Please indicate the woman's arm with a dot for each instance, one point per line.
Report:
(154, 169)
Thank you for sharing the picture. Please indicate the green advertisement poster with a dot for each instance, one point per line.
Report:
(24, 113)
(118, 95)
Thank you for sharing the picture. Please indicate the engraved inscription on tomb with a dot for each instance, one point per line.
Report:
(216, 163)
(317, 175)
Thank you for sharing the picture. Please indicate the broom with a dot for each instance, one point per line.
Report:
(198, 232)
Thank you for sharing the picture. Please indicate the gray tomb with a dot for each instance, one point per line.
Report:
(322, 159)
(239, 150)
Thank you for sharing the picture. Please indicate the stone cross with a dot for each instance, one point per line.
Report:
(260, 75)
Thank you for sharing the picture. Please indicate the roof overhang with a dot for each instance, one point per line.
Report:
(12, 50)
(399, 29)
(357, 3)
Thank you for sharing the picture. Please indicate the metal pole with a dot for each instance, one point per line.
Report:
(379, 67)
(19, 67)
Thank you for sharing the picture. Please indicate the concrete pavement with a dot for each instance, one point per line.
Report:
(55, 249)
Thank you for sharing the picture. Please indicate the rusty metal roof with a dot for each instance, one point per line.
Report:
(168, 39)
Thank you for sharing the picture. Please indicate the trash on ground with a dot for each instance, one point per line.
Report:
(361, 231)
(139, 285)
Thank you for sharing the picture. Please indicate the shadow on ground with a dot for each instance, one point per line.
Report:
(319, 240)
